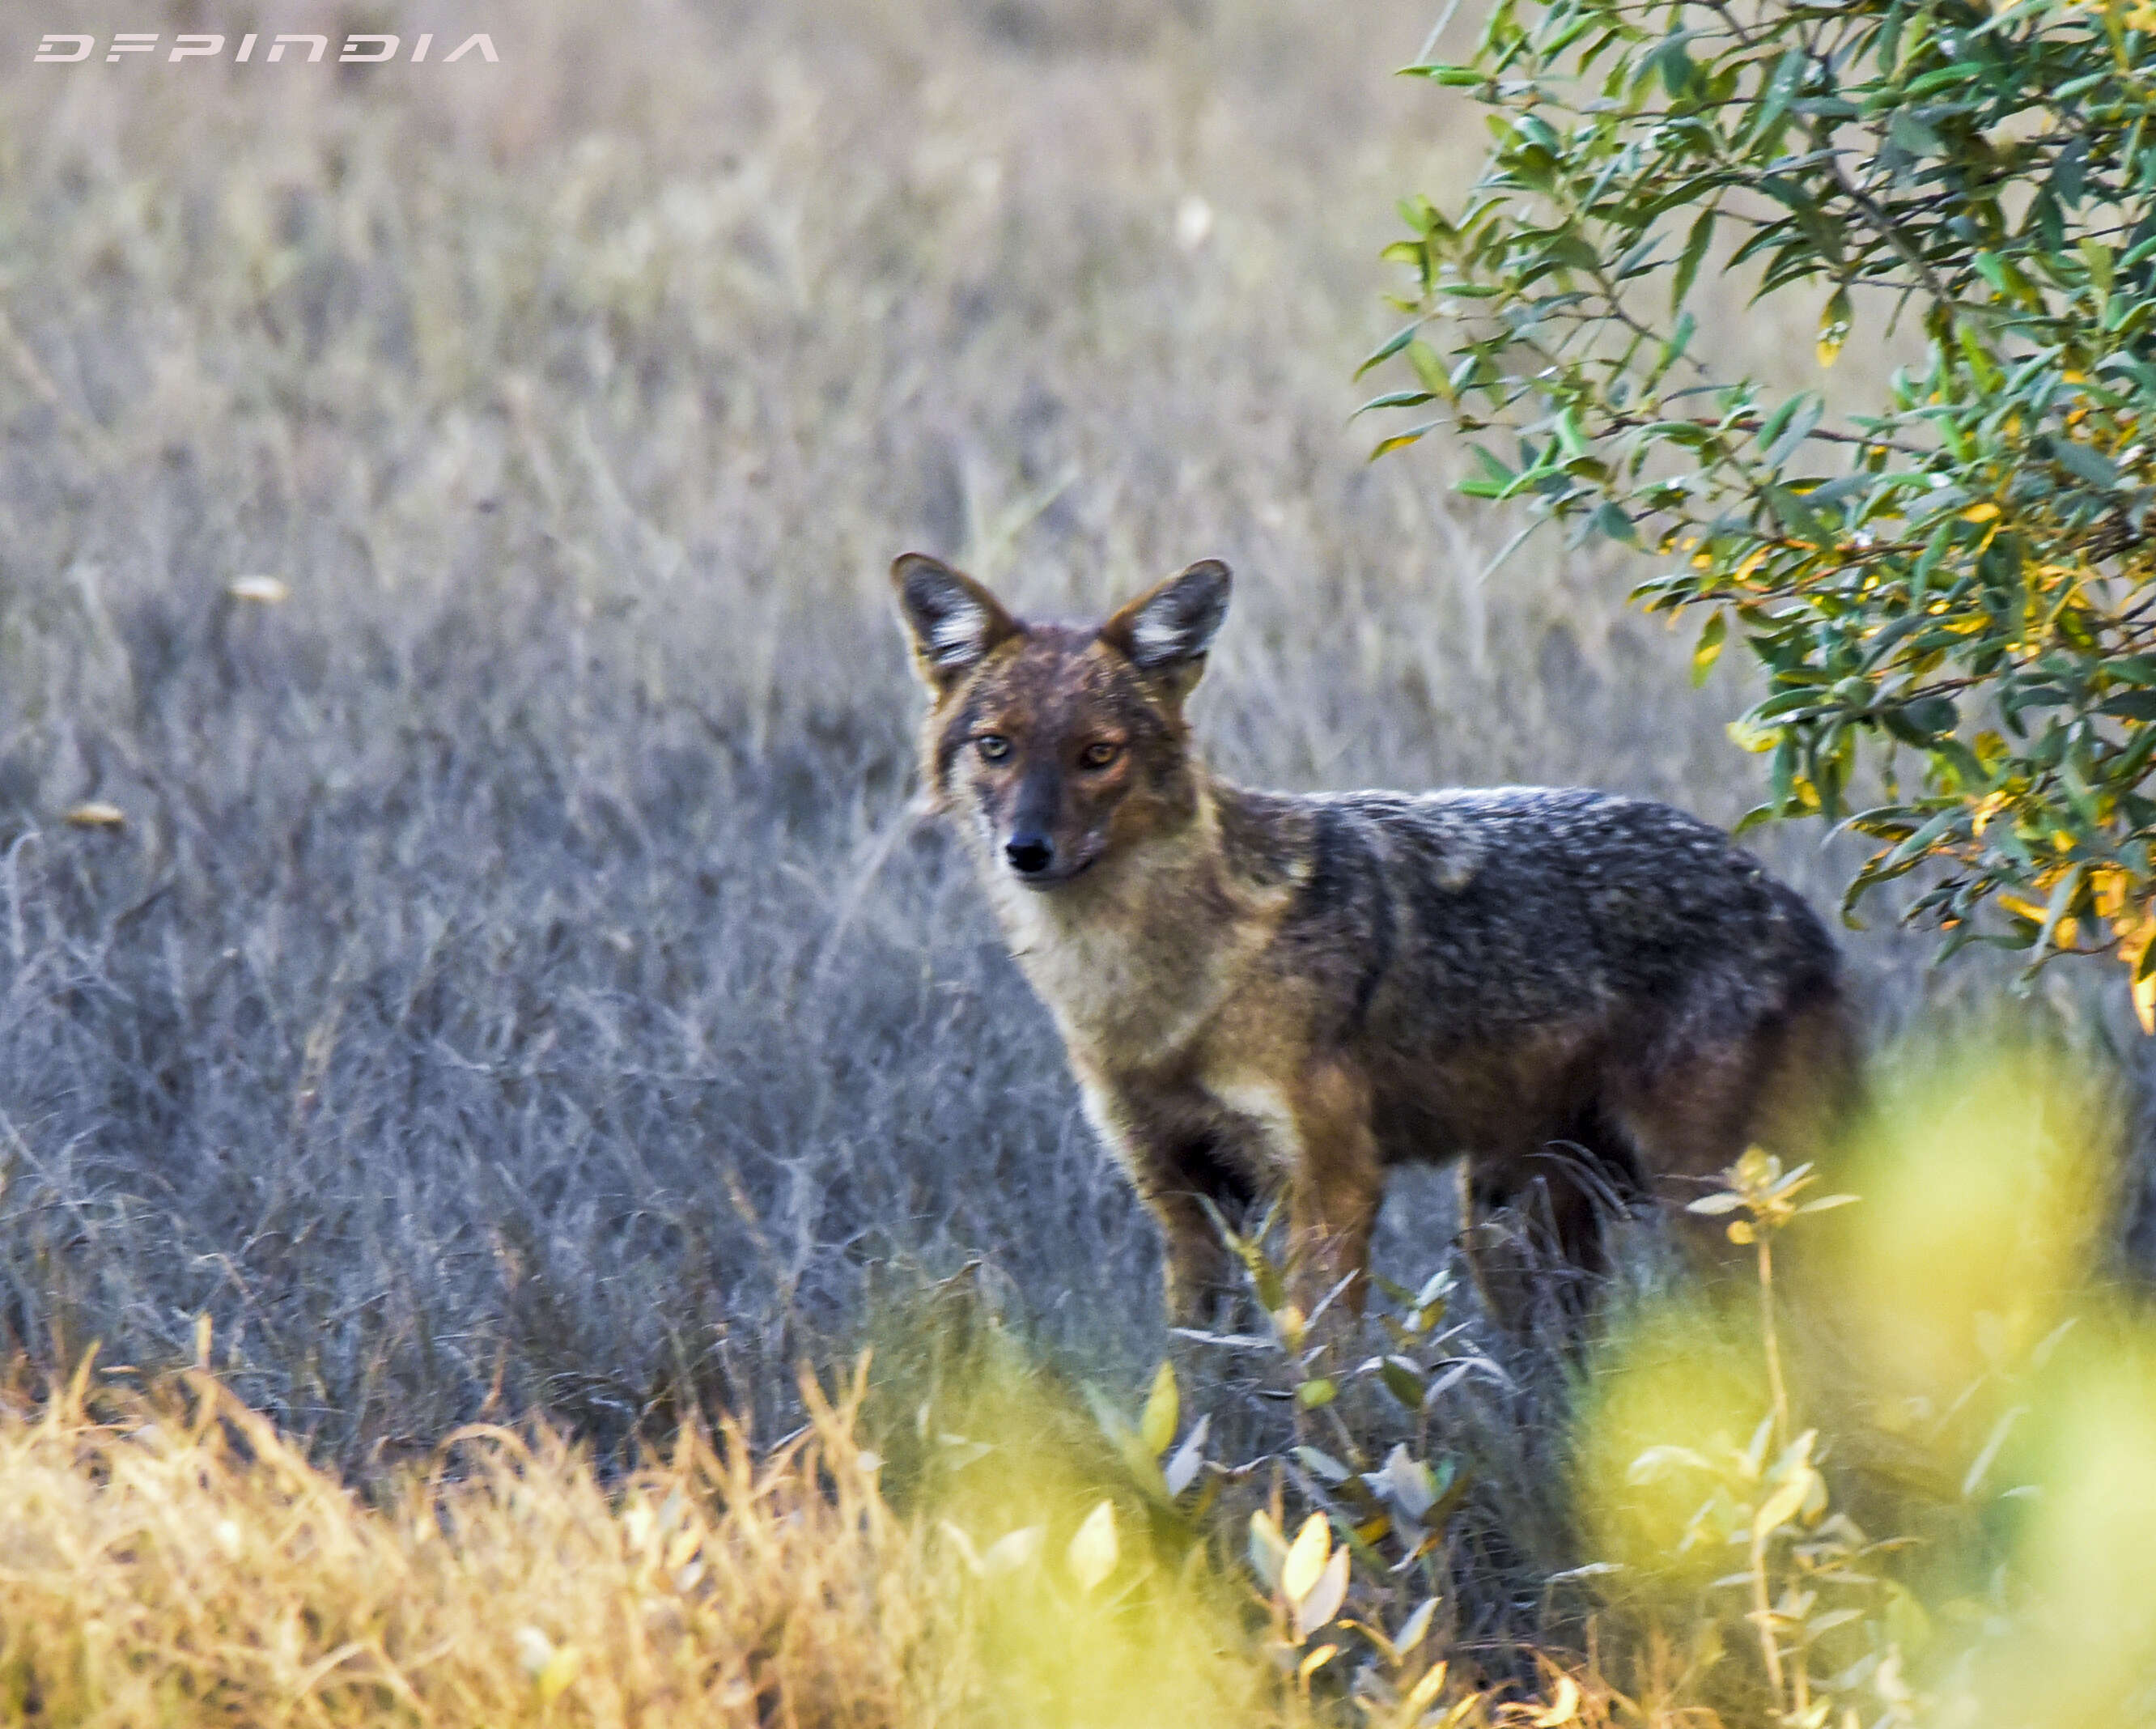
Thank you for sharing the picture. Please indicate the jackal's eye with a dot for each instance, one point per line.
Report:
(1099, 754)
(994, 747)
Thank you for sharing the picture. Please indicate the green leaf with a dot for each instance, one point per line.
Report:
(1907, 132)
(1695, 249)
(1670, 59)
(1792, 426)
(2096, 260)
(1709, 648)
(1391, 345)
(1401, 441)
(1909, 850)
(1402, 1382)
(1610, 521)
(1321, 1465)
(1673, 350)
(1929, 716)
(2061, 902)
(1394, 399)
(1833, 325)
(1459, 77)
(1428, 367)
(1781, 90)
(1794, 514)
(2086, 462)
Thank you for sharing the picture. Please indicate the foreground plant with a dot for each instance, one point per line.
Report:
(1847, 1501)
(1960, 570)
(1809, 1570)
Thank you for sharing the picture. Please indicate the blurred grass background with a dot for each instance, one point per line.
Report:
(520, 981)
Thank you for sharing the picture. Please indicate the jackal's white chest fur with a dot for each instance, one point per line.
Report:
(1135, 966)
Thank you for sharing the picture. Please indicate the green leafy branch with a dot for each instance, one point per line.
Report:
(1961, 570)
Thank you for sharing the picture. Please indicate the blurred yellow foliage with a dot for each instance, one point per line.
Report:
(1988, 1185)
(1985, 1388)
(2084, 1649)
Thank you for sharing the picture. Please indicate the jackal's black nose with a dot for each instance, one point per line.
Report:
(1029, 855)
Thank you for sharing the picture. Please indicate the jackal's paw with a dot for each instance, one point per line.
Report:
(1209, 1308)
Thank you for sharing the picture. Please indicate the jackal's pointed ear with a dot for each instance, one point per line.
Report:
(1165, 633)
(952, 620)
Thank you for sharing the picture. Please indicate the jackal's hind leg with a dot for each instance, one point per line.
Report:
(1534, 1223)
(1330, 1225)
(1792, 1085)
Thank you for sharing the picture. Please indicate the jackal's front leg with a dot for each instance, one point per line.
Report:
(1176, 1178)
(1196, 1272)
(1336, 1182)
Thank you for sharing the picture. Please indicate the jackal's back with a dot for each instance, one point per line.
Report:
(1448, 916)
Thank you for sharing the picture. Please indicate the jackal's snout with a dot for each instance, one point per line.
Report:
(1029, 854)
(1030, 849)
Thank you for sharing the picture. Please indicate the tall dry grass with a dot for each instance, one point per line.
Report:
(169, 1558)
(172, 1559)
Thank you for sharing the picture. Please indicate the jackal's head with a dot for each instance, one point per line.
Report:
(1058, 746)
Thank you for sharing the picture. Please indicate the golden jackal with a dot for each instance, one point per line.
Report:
(1577, 995)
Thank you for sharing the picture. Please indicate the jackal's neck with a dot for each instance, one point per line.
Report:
(1133, 957)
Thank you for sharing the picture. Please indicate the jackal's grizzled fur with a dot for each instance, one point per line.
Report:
(1568, 992)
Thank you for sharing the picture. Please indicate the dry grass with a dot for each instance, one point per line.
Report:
(170, 1559)
(173, 1559)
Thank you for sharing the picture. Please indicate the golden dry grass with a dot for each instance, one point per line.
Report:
(170, 1559)
(174, 1560)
